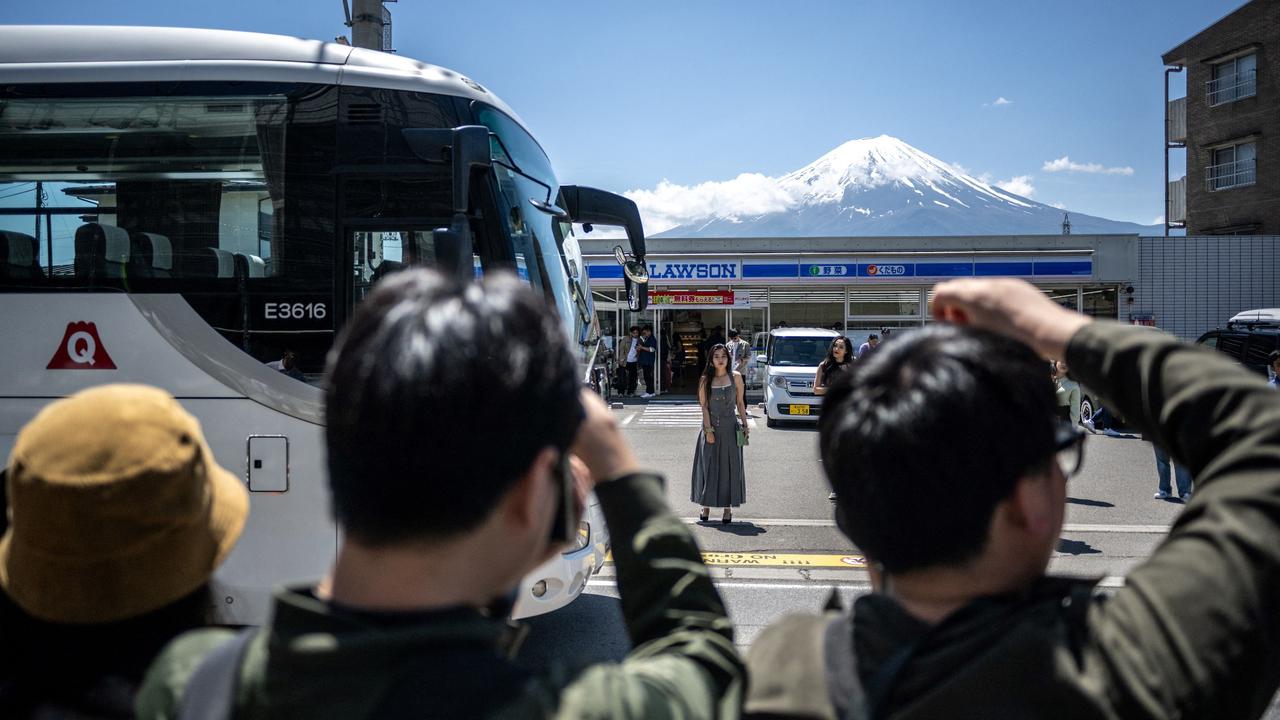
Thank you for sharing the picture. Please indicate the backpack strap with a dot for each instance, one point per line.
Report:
(851, 699)
(840, 665)
(211, 692)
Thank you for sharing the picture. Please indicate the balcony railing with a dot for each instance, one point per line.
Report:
(1230, 175)
(1229, 88)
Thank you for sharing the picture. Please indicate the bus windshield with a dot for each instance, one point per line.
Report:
(271, 208)
(540, 240)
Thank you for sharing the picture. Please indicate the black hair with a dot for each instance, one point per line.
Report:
(831, 352)
(709, 371)
(1273, 357)
(733, 332)
(873, 336)
(440, 395)
(633, 328)
(922, 439)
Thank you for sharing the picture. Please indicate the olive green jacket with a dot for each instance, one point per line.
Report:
(314, 661)
(1192, 634)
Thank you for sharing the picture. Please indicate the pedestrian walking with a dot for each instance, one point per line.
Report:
(870, 345)
(1164, 490)
(838, 362)
(1273, 365)
(739, 351)
(719, 479)
(632, 345)
(647, 354)
(1067, 392)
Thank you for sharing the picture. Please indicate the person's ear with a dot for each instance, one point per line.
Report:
(1030, 506)
(529, 498)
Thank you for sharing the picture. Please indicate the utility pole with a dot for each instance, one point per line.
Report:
(368, 23)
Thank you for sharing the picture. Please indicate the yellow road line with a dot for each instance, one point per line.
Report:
(730, 559)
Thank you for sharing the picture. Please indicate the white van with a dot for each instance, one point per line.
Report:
(789, 364)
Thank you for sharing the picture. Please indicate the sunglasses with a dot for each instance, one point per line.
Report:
(1068, 444)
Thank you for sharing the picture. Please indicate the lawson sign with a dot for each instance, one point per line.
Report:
(675, 270)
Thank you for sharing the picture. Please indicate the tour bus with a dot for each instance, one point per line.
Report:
(201, 210)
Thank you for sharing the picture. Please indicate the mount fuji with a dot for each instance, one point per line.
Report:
(883, 186)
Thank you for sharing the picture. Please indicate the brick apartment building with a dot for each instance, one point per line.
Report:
(1229, 123)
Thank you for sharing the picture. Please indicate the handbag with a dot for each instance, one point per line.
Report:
(743, 440)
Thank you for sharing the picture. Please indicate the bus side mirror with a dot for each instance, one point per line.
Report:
(467, 147)
(598, 207)
(454, 250)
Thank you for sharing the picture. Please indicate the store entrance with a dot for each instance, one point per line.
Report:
(692, 334)
(683, 338)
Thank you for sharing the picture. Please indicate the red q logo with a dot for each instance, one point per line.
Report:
(81, 349)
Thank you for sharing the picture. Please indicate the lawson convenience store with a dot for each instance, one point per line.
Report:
(855, 285)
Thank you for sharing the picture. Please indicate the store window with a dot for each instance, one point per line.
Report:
(1100, 303)
(807, 307)
(1066, 297)
(904, 303)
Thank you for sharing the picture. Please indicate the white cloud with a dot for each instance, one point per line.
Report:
(1158, 221)
(998, 102)
(1059, 205)
(1066, 164)
(1018, 185)
(748, 195)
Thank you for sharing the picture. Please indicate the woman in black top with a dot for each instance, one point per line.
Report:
(837, 362)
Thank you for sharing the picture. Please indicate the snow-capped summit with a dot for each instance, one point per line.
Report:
(883, 186)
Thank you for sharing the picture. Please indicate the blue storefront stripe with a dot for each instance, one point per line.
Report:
(952, 269)
(770, 270)
(604, 272)
(990, 269)
(1074, 268)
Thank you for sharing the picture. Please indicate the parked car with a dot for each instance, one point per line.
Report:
(1249, 338)
(789, 363)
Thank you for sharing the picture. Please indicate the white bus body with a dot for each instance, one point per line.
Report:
(179, 206)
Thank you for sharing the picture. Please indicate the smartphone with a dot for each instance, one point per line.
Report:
(564, 528)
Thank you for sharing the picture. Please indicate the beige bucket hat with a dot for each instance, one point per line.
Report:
(116, 507)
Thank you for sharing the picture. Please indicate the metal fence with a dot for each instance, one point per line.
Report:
(1190, 285)
(1230, 88)
(1229, 175)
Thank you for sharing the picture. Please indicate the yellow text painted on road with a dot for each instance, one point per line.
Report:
(812, 560)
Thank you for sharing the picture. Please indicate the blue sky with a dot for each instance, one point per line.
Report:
(625, 95)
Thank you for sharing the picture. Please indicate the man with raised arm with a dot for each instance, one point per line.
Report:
(451, 413)
(963, 621)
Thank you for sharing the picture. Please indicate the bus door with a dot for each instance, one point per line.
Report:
(388, 223)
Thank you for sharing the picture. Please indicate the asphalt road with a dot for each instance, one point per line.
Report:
(1112, 524)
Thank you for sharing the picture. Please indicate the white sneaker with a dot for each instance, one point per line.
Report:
(1088, 425)
(1186, 496)
(1161, 495)
(646, 395)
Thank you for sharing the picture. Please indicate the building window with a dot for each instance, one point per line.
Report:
(1233, 166)
(1234, 79)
